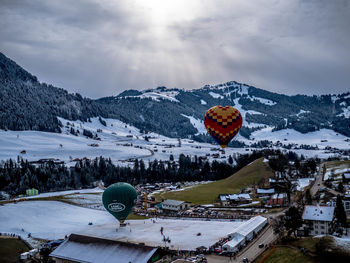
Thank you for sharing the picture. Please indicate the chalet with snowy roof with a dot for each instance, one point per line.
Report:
(265, 192)
(234, 199)
(318, 219)
(79, 248)
(174, 205)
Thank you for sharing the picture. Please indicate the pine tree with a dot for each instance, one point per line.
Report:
(230, 160)
(340, 187)
(293, 220)
(339, 211)
(308, 197)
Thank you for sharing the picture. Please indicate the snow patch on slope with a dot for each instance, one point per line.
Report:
(263, 101)
(158, 95)
(216, 95)
(242, 111)
(302, 112)
(345, 113)
(203, 102)
(321, 138)
(197, 123)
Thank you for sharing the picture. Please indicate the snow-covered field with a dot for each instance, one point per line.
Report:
(122, 142)
(52, 220)
(321, 138)
(69, 192)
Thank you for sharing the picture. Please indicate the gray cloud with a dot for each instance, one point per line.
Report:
(99, 48)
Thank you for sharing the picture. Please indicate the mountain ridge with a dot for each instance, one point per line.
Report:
(27, 104)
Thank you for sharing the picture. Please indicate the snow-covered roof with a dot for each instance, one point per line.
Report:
(172, 202)
(280, 195)
(265, 191)
(249, 226)
(347, 175)
(80, 248)
(235, 241)
(235, 197)
(223, 198)
(239, 196)
(319, 213)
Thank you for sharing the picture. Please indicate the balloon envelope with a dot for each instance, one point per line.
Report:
(119, 200)
(223, 123)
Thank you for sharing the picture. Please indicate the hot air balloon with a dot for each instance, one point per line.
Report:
(223, 123)
(119, 200)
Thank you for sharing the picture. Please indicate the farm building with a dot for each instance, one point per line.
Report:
(244, 233)
(234, 199)
(79, 248)
(174, 205)
(317, 219)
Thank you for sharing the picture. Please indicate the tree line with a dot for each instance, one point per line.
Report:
(18, 175)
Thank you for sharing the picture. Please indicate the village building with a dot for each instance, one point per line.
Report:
(234, 199)
(280, 199)
(244, 233)
(174, 205)
(317, 219)
(265, 192)
(79, 248)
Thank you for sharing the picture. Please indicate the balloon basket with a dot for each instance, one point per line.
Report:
(122, 224)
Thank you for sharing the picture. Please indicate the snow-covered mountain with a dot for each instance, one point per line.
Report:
(26, 104)
(159, 109)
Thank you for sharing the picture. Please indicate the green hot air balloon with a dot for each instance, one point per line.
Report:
(119, 199)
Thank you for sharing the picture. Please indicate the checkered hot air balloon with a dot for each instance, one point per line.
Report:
(223, 123)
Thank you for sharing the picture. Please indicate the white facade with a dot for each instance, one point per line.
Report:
(244, 233)
(318, 219)
(174, 205)
(235, 243)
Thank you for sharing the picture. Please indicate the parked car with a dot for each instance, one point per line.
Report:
(261, 245)
(192, 259)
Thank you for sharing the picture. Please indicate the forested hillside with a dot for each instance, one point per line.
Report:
(27, 104)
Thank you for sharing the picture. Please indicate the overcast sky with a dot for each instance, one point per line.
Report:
(100, 48)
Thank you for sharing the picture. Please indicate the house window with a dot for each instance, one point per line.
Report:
(322, 227)
(316, 232)
(316, 226)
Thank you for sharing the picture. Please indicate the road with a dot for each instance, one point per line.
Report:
(319, 183)
(250, 252)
